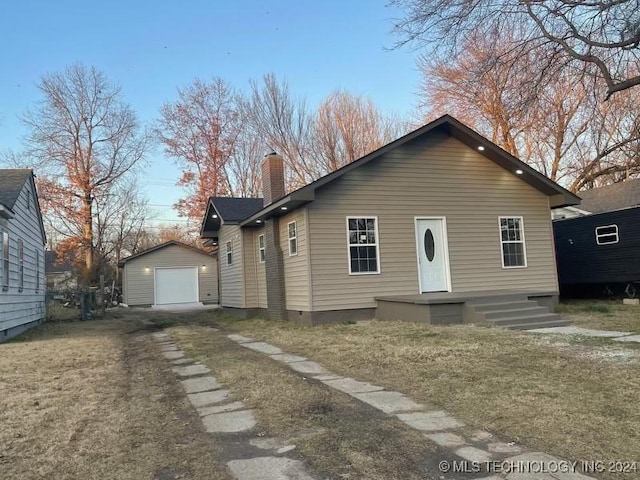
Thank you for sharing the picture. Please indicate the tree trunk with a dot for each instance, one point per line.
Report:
(87, 234)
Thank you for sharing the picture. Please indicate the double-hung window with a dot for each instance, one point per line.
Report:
(20, 266)
(261, 248)
(293, 238)
(5, 260)
(229, 253)
(37, 270)
(362, 237)
(514, 252)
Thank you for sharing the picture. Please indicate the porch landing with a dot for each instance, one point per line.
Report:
(515, 309)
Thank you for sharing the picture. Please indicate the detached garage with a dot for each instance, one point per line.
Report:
(168, 274)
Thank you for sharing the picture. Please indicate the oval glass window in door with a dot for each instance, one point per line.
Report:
(429, 245)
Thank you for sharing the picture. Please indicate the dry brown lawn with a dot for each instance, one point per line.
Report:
(602, 314)
(94, 400)
(510, 383)
(336, 436)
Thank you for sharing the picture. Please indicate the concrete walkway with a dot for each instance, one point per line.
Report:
(588, 332)
(498, 458)
(231, 421)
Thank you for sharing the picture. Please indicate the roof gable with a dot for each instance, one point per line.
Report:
(160, 247)
(227, 210)
(611, 197)
(11, 183)
(559, 196)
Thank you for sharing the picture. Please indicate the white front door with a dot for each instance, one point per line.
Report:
(433, 258)
(176, 285)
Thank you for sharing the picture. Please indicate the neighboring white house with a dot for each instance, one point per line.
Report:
(22, 240)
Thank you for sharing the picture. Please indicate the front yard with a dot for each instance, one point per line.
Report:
(602, 314)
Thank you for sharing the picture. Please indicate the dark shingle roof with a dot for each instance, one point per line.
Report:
(612, 197)
(236, 209)
(11, 183)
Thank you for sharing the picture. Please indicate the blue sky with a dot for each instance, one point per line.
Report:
(151, 48)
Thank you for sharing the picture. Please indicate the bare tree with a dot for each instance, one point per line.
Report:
(200, 130)
(347, 127)
(602, 36)
(284, 124)
(558, 126)
(85, 137)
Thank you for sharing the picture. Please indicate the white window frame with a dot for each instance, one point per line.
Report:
(20, 265)
(293, 239)
(522, 241)
(377, 244)
(230, 252)
(261, 248)
(600, 235)
(37, 270)
(5, 253)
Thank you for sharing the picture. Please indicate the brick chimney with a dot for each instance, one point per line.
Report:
(272, 178)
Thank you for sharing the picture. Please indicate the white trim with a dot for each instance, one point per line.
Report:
(227, 252)
(377, 232)
(262, 252)
(155, 300)
(523, 241)
(607, 234)
(445, 238)
(292, 238)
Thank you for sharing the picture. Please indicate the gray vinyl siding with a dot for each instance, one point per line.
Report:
(139, 280)
(19, 308)
(436, 176)
(296, 267)
(231, 276)
(254, 271)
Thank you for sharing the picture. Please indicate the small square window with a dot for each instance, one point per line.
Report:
(607, 235)
(229, 253)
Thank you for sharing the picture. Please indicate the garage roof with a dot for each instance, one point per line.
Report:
(159, 247)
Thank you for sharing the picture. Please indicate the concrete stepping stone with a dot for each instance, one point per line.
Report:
(262, 347)
(230, 422)
(287, 358)
(203, 399)
(191, 370)
(430, 421)
(326, 377)
(473, 454)
(308, 367)
(480, 436)
(173, 355)
(273, 468)
(587, 332)
(285, 449)
(630, 338)
(229, 407)
(500, 447)
(446, 439)
(200, 384)
(239, 338)
(351, 386)
(388, 402)
(182, 361)
(168, 347)
(160, 335)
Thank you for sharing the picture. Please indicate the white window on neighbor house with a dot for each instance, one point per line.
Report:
(37, 270)
(514, 252)
(5, 260)
(261, 248)
(293, 238)
(362, 238)
(607, 235)
(20, 266)
(229, 253)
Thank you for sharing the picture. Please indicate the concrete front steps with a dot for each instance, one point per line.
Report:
(513, 312)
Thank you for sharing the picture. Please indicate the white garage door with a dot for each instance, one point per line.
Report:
(176, 285)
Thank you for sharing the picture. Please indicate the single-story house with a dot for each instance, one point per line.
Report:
(170, 274)
(22, 240)
(423, 229)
